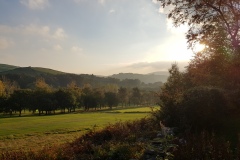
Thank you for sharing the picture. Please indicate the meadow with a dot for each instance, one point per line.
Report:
(36, 132)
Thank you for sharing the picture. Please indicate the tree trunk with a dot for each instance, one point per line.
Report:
(20, 113)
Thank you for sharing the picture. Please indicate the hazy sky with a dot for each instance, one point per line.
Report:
(99, 37)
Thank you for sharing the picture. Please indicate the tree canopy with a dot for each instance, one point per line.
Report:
(208, 20)
(209, 87)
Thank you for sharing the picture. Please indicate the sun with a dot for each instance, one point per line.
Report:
(170, 51)
(199, 47)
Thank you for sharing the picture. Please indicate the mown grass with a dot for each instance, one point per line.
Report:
(64, 122)
(36, 132)
(135, 109)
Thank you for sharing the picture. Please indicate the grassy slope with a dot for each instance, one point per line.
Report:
(47, 70)
(6, 67)
(39, 131)
(61, 123)
(32, 71)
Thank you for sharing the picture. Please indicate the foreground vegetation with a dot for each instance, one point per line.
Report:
(118, 141)
(203, 101)
(140, 139)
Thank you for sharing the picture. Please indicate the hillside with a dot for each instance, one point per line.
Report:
(62, 80)
(6, 67)
(48, 71)
(146, 78)
(26, 77)
(31, 71)
(160, 73)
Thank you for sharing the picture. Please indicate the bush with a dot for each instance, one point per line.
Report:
(203, 108)
(204, 146)
(198, 108)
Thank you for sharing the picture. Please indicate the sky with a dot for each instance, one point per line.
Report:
(100, 37)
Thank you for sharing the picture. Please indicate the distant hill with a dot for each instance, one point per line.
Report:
(49, 71)
(146, 78)
(160, 73)
(6, 67)
(31, 71)
(25, 77)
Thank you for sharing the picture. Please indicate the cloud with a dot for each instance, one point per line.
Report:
(156, 66)
(170, 27)
(143, 67)
(43, 31)
(76, 49)
(182, 29)
(35, 4)
(79, 1)
(101, 1)
(35, 30)
(155, 1)
(165, 10)
(57, 47)
(4, 43)
(59, 34)
(112, 11)
(174, 48)
(5, 29)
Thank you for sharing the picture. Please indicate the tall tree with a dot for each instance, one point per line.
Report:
(2, 89)
(75, 92)
(111, 99)
(99, 95)
(20, 100)
(207, 19)
(65, 99)
(10, 86)
(3, 105)
(40, 84)
(111, 88)
(123, 95)
(136, 96)
(171, 95)
(88, 99)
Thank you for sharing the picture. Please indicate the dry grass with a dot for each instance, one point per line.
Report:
(36, 142)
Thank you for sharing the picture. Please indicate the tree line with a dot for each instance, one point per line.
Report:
(46, 100)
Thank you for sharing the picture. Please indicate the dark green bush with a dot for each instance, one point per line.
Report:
(198, 108)
(203, 108)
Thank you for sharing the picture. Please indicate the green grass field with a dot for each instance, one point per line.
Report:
(134, 110)
(34, 132)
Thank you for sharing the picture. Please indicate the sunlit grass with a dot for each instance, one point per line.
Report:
(42, 124)
(35, 132)
(136, 109)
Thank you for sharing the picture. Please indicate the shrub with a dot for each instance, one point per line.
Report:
(198, 108)
(203, 108)
(204, 146)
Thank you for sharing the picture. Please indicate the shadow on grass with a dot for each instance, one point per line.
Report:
(79, 111)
